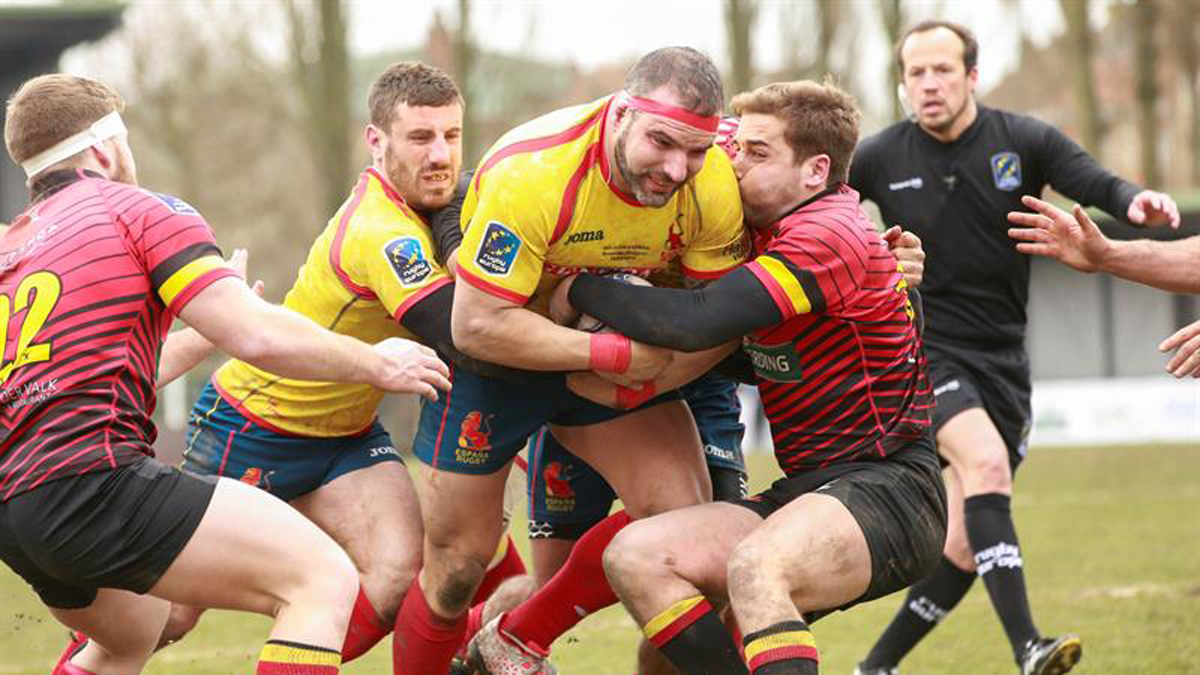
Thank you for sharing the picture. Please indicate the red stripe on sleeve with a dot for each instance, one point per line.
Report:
(492, 289)
(417, 297)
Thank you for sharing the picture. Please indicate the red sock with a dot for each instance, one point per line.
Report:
(77, 642)
(424, 642)
(578, 589)
(365, 631)
(474, 623)
(509, 566)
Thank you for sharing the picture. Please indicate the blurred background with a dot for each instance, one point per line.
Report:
(253, 112)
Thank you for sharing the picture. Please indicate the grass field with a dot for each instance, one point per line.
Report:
(1111, 540)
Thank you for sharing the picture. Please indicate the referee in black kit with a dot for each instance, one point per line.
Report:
(951, 175)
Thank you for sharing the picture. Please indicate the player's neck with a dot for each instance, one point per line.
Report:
(959, 126)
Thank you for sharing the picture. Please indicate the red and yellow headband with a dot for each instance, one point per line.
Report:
(707, 124)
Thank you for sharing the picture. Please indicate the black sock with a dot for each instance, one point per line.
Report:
(998, 562)
(693, 638)
(928, 602)
(785, 648)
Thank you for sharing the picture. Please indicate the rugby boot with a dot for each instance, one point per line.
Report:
(76, 642)
(862, 669)
(494, 652)
(1051, 656)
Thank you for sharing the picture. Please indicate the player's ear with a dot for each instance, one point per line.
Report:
(104, 154)
(376, 141)
(816, 171)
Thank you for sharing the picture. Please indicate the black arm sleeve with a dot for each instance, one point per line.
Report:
(1073, 172)
(446, 221)
(687, 320)
(429, 320)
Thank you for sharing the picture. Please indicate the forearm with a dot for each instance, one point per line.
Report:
(276, 339)
(1170, 265)
(689, 366)
(429, 320)
(291, 345)
(685, 320)
(181, 351)
(519, 338)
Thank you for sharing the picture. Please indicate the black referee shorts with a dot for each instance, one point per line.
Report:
(108, 529)
(899, 503)
(996, 380)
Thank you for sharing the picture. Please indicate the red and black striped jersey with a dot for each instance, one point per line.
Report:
(842, 378)
(91, 277)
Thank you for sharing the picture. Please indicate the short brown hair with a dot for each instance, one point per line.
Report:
(411, 83)
(688, 72)
(49, 109)
(970, 45)
(818, 118)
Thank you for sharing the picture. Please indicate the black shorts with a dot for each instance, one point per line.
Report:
(996, 380)
(108, 529)
(899, 503)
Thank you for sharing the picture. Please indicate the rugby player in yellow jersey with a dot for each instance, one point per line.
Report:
(629, 182)
(371, 274)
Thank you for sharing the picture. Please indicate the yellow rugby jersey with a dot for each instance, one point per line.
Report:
(373, 261)
(541, 208)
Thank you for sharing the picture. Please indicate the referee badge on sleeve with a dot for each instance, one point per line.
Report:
(407, 259)
(498, 249)
(1006, 171)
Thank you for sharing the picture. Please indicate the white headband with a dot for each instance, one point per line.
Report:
(101, 130)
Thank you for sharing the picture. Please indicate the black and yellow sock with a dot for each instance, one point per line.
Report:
(785, 648)
(928, 602)
(279, 657)
(693, 638)
(993, 537)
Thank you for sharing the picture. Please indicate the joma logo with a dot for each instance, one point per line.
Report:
(585, 236)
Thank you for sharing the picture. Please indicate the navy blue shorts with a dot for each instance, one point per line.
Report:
(484, 422)
(567, 496)
(223, 442)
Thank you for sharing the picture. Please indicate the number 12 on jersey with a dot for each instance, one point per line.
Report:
(38, 293)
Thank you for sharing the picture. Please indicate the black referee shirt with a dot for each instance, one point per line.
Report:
(955, 196)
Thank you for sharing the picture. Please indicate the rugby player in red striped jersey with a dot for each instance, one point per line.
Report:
(92, 274)
(826, 318)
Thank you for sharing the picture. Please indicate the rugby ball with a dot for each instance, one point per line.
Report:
(590, 324)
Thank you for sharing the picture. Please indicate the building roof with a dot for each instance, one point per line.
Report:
(28, 31)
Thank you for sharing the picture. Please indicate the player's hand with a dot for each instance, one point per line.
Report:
(1073, 239)
(594, 388)
(1187, 357)
(645, 363)
(1151, 209)
(561, 311)
(237, 260)
(906, 246)
(411, 368)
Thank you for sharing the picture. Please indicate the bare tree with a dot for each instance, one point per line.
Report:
(739, 24)
(891, 12)
(827, 21)
(1083, 80)
(1187, 30)
(321, 66)
(1145, 19)
(464, 64)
